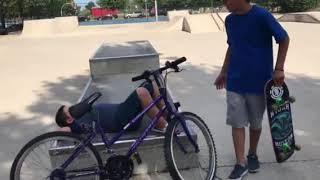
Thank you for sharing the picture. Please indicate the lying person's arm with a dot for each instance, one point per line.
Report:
(65, 129)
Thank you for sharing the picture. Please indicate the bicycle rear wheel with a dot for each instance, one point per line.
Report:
(183, 160)
(45, 153)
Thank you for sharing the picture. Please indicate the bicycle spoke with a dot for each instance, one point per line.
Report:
(194, 164)
(37, 163)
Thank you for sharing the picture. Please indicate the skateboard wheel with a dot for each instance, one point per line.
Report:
(297, 147)
(282, 156)
(292, 99)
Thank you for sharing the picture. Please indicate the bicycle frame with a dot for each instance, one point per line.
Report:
(169, 106)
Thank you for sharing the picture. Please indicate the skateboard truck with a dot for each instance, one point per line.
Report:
(286, 148)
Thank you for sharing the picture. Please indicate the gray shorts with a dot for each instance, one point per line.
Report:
(244, 109)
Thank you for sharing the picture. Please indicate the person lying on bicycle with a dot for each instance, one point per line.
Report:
(113, 117)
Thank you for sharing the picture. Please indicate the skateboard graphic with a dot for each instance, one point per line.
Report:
(278, 102)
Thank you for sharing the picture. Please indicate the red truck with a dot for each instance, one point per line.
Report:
(102, 13)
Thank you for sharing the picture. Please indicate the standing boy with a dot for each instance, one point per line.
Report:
(247, 67)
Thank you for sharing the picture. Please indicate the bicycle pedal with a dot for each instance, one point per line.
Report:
(137, 157)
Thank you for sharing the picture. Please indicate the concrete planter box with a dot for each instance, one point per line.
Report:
(123, 58)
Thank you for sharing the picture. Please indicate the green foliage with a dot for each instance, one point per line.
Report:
(288, 5)
(85, 13)
(112, 4)
(34, 8)
(296, 5)
(90, 5)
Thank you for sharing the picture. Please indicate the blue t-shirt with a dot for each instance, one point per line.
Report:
(250, 41)
(107, 118)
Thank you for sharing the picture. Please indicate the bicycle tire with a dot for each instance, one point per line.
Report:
(174, 173)
(22, 153)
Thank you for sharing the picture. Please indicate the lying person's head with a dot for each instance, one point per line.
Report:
(65, 115)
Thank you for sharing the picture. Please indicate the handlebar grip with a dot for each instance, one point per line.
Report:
(178, 61)
(137, 78)
(144, 75)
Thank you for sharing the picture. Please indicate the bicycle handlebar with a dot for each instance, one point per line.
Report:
(168, 65)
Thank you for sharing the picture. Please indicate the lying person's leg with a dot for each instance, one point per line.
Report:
(145, 100)
(147, 93)
(156, 93)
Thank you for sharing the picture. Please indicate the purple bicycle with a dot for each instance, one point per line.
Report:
(189, 148)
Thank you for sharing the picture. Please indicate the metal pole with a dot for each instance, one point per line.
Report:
(146, 7)
(156, 9)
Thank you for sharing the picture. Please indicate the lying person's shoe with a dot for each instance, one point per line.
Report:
(238, 172)
(162, 131)
(253, 163)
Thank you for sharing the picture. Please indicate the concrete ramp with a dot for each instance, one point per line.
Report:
(175, 24)
(219, 21)
(50, 27)
(299, 17)
(65, 24)
(180, 13)
(41, 27)
(200, 23)
(315, 15)
(223, 15)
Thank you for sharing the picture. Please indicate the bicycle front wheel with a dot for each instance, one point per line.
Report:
(193, 157)
(43, 155)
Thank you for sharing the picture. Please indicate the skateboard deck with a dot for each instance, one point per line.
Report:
(278, 102)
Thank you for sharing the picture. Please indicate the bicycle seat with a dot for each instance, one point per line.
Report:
(81, 108)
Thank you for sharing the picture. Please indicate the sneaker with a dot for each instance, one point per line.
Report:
(253, 163)
(238, 172)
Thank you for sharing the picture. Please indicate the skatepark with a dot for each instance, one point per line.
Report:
(48, 64)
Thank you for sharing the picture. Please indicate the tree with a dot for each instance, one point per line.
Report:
(112, 4)
(85, 12)
(2, 14)
(90, 5)
(296, 5)
(288, 6)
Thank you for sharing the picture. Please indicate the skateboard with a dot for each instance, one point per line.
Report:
(278, 102)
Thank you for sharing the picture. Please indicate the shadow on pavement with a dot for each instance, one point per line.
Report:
(194, 89)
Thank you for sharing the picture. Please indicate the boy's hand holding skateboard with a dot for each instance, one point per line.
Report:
(278, 77)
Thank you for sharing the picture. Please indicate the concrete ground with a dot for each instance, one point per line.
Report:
(38, 74)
